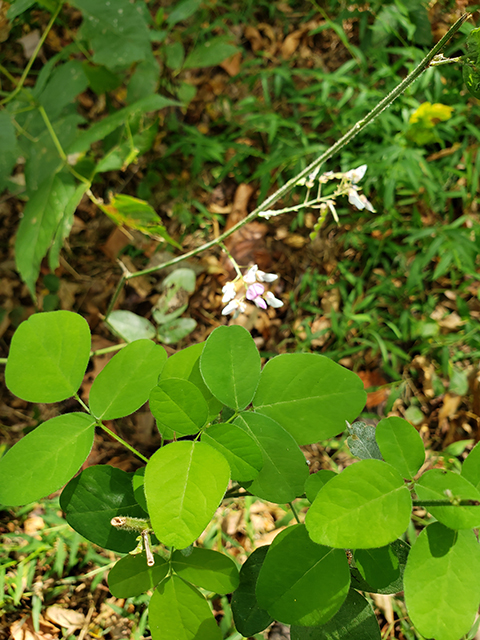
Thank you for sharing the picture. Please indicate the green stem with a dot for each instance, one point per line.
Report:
(335, 148)
(445, 503)
(441, 60)
(115, 347)
(115, 296)
(34, 55)
(294, 511)
(3, 360)
(52, 133)
(125, 444)
(100, 424)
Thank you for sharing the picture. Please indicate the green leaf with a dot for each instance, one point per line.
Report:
(439, 484)
(177, 287)
(48, 357)
(138, 482)
(131, 576)
(184, 484)
(42, 158)
(43, 215)
(101, 129)
(361, 441)
(355, 620)
(284, 468)
(442, 590)
(401, 446)
(128, 149)
(230, 366)
(8, 145)
(301, 582)
(136, 214)
(185, 364)
(118, 33)
(64, 227)
(182, 11)
(211, 53)
(18, 7)
(177, 610)
(239, 448)
(208, 569)
(473, 45)
(100, 79)
(380, 570)
(63, 86)
(175, 330)
(130, 327)
(125, 383)
(45, 459)
(315, 482)
(175, 55)
(365, 506)
(471, 467)
(248, 616)
(144, 80)
(296, 389)
(178, 405)
(89, 506)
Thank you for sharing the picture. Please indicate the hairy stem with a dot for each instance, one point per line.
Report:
(445, 503)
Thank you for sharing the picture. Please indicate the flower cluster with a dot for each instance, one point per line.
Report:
(254, 292)
(346, 187)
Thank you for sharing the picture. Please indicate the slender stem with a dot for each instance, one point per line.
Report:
(441, 60)
(335, 148)
(232, 260)
(34, 55)
(115, 295)
(125, 444)
(52, 133)
(445, 503)
(3, 360)
(80, 401)
(294, 511)
(100, 352)
(100, 424)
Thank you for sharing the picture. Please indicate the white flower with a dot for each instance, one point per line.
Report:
(266, 277)
(368, 205)
(355, 175)
(251, 276)
(230, 308)
(254, 291)
(260, 302)
(331, 206)
(228, 292)
(272, 301)
(354, 199)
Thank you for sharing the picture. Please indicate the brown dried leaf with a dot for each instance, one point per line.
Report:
(117, 240)
(67, 618)
(23, 630)
(252, 34)
(450, 405)
(232, 65)
(291, 42)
